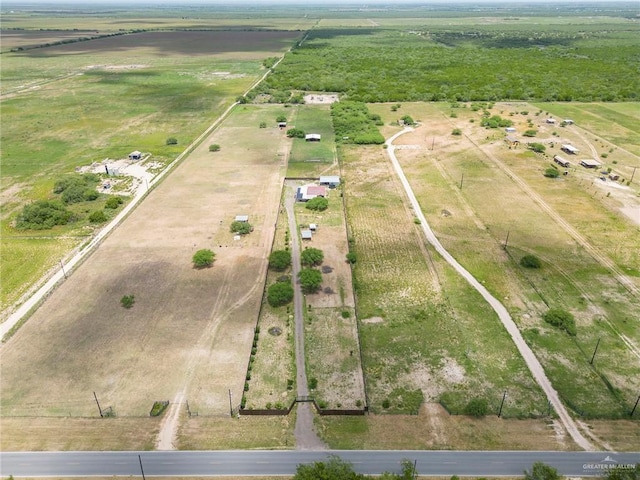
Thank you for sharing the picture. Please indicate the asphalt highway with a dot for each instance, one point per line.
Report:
(247, 463)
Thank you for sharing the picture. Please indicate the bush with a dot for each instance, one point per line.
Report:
(171, 141)
(537, 147)
(530, 133)
(97, 217)
(214, 147)
(407, 120)
(263, 124)
(241, 228)
(386, 403)
(561, 319)
(310, 280)
(279, 294)
(477, 407)
(313, 383)
(351, 258)
(113, 202)
(318, 204)
(551, 172)
(127, 301)
(203, 258)
(345, 314)
(311, 256)
(158, 408)
(281, 118)
(279, 260)
(42, 215)
(530, 261)
(456, 131)
(295, 133)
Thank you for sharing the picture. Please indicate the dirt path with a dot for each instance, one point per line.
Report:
(527, 354)
(306, 436)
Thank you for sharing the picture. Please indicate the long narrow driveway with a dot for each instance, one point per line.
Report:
(306, 437)
(527, 354)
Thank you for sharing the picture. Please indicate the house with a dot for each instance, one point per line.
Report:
(512, 141)
(306, 234)
(135, 155)
(307, 192)
(312, 137)
(561, 161)
(551, 121)
(242, 218)
(569, 149)
(589, 163)
(332, 181)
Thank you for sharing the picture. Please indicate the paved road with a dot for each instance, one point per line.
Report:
(228, 463)
(527, 354)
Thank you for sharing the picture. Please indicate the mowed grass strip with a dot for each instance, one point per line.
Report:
(418, 343)
(468, 226)
(311, 159)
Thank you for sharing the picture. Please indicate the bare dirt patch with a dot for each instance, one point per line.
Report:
(321, 98)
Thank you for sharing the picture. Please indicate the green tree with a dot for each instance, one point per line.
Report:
(318, 204)
(113, 202)
(311, 257)
(280, 259)
(42, 215)
(477, 407)
(551, 172)
(530, 133)
(332, 469)
(241, 228)
(172, 141)
(279, 294)
(281, 118)
(619, 473)
(214, 147)
(407, 120)
(536, 147)
(541, 471)
(310, 280)
(456, 131)
(127, 301)
(203, 258)
(530, 261)
(296, 133)
(97, 216)
(562, 319)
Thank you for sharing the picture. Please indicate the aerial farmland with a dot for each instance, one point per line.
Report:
(454, 286)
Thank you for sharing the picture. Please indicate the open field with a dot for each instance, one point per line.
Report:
(147, 87)
(190, 330)
(312, 159)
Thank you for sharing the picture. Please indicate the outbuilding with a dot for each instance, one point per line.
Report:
(312, 137)
(551, 121)
(569, 149)
(135, 155)
(306, 234)
(242, 218)
(307, 192)
(332, 181)
(510, 130)
(590, 163)
(561, 161)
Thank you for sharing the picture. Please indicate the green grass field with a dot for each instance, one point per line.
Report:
(311, 159)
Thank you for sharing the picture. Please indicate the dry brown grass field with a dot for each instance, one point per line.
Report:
(190, 330)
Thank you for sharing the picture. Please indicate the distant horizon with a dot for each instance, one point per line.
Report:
(302, 3)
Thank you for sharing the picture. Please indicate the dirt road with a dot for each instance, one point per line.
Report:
(527, 354)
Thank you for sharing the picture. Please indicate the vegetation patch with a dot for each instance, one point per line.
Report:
(42, 215)
(203, 258)
(353, 123)
(158, 408)
(561, 319)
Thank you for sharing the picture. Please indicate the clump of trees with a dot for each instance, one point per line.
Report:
(318, 204)
(337, 469)
(495, 121)
(113, 202)
(296, 133)
(98, 216)
(536, 147)
(77, 188)
(353, 123)
(279, 260)
(203, 258)
(562, 319)
(551, 172)
(43, 214)
(530, 261)
(311, 257)
(241, 228)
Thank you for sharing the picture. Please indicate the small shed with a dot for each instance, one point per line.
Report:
(567, 121)
(332, 181)
(312, 137)
(561, 161)
(551, 121)
(282, 125)
(313, 227)
(135, 155)
(306, 234)
(510, 130)
(512, 141)
(569, 149)
(590, 163)
(242, 218)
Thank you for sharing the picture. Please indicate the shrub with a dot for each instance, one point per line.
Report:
(43, 214)
(530, 133)
(561, 319)
(537, 147)
(279, 260)
(313, 383)
(171, 141)
(263, 124)
(310, 280)
(214, 147)
(127, 301)
(386, 403)
(203, 258)
(295, 133)
(281, 118)
(318, 204)
(113, 202)
(279, 294)
(158, 408)
(345, 314)
(456, 131)
(351, 258)
(97, 216)
(241, 228)
(530, 261)
(311, 256)
(477, 407)
(551, 172)
(407, 120)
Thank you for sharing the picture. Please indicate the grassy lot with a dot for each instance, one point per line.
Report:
(147, 87)
(311, 159)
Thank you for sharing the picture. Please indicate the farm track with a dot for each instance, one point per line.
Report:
(602, 259)
(36, 85)
(527, 354)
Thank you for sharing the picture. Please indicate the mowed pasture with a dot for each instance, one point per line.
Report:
(425, 334)
(111, 96)
(190, 330)
(312, 159)
(456, 179)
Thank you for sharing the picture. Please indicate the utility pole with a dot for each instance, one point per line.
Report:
(141, 469)
(506, 241)
(230, 405)
(594, 352)
(634, 407)
(504, 395)
(633, 174)
(99, 409)
(461, 179)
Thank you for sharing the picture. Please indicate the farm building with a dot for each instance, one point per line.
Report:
(567, 121)
(512, 141)
(569, 149)
(307, 192)
(242, 218)
(510, 130)
(551, 121)
(306, 234)
(312, 137)
(135, 155)
(313, 227)
(282, 125)
(589, 163)
(561, 161)
(332, 181)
